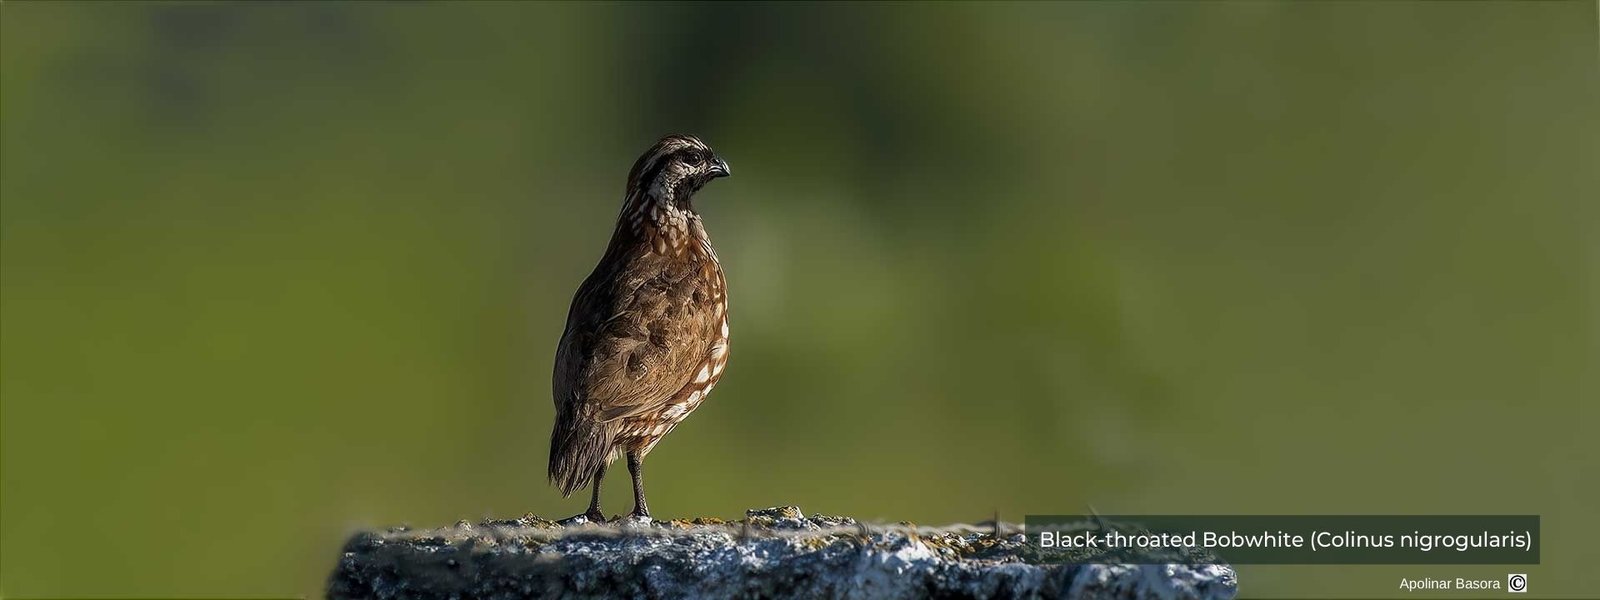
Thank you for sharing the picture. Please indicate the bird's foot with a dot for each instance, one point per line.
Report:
(638, 518)
(587, 518)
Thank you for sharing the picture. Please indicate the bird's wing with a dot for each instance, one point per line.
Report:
(638, 339)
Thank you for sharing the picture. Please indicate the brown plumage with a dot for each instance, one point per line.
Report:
(647, 334)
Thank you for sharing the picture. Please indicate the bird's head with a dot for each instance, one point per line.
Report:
(674, 169)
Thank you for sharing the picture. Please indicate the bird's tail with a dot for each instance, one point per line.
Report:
(579, 446)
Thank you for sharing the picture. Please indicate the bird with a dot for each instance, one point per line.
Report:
(646, 337)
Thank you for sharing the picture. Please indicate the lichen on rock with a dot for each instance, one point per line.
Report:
(771, 553)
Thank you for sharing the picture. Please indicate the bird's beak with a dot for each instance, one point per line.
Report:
(719, 168)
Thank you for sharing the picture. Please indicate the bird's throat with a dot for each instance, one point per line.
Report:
(660, 219)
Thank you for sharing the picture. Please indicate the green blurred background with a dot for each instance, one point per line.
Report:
(276, 272)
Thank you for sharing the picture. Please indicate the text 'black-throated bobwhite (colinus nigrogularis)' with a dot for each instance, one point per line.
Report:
(647, 334)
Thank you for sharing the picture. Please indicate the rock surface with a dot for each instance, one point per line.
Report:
(772, 553)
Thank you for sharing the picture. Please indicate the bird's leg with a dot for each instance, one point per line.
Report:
(636, 468)
(593, 515)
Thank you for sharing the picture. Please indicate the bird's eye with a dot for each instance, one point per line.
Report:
(692, 160)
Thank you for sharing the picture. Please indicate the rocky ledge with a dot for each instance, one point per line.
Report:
(772, 553)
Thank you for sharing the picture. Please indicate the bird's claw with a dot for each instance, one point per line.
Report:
(637, 520)
(593, 517)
